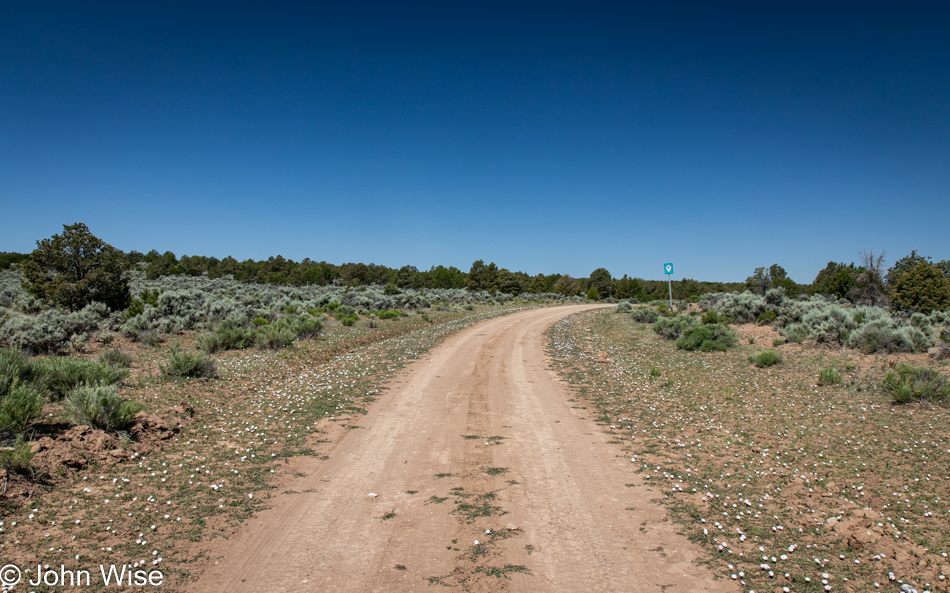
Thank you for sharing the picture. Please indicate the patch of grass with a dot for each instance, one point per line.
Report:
(909, 383)
(766, 358)
(411, 492)
(188, 365)
(436, 499)
(445, 475)
(496, 471)
(389, 515)
(829, 376)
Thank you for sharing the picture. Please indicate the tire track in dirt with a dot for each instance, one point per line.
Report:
(539, 477)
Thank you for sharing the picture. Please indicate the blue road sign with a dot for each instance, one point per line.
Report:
(668, 268)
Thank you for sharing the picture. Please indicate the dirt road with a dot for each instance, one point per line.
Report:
(477, 441)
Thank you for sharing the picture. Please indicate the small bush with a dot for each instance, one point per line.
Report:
(707, 337)
(275, 336)
(672, 327)
(59, 375)
(908, 383)
(233, 335)
(829, 376)
(19, 406)
(711, 316)
(18, 459)
(766, 317)
(208, 343)
(260, 321)
(185, 364)
(624, 307)
(766, 358)
(778, 342)
(100, 407)
(115, 358)
(645, 315)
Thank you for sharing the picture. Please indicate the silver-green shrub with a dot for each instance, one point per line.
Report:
(100, 406)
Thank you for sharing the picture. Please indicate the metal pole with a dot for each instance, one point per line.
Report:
(669, 281)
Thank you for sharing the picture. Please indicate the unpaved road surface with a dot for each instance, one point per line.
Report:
(565, 511)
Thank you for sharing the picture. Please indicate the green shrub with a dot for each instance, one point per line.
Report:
(19, 405)
(100, 407)
(186, 364)
(908, 383)
(829, 376)
(923, 288)
(593, 294)
(672, 327)
(391, 313)
(14, 366)
(766, 358)
(234, 335)
(624, 307)
(275, 336)
(766, 317)
(17, 460)
(116, 358)
(260, 321)
(391, 290)
(644, 315)
(778, 342)
(208, 343)
(707, 337)
(711, 316)
(332, 306)
(59, 375)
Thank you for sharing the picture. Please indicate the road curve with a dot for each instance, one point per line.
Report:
(564, 511)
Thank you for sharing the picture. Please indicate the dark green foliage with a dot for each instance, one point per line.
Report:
(146, 297)
(836, 279)
(645, 315)
(234, 335)
(8, 259)
(766, 317)
(100, 406)
(829, 376)
(672, 327)
(593, 294)
(76, 268)
(391, 289)
(59, 375)
(20, 404)
(711, 316)
(345, 314)
(908, 383)
(392, 313)
(766, 358)
(186, 364)
(923, 288)
(259, 321)
(707, 337)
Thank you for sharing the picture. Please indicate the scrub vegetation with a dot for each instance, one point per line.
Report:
(828, 471)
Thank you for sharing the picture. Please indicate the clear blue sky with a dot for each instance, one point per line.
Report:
(547, 137)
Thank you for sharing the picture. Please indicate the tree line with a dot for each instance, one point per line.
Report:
(75, 267)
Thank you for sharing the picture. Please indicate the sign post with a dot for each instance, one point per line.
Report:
(668, 270)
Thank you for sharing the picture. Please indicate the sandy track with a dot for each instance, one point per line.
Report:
(570, 519)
